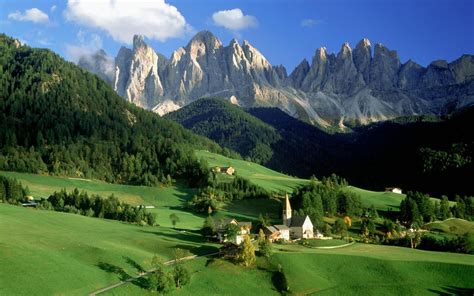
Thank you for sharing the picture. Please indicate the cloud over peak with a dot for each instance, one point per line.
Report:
(234, 19)
(122, 19)
(34, 15)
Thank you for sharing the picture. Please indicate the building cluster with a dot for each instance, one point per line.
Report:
(292, 227)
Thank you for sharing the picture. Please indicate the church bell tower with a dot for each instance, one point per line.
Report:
(287, 212)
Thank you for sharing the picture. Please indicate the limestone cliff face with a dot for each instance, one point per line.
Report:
(352, 86)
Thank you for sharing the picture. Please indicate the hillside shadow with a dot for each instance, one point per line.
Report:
(451, 290)
(178, 235)
(201, 250)
(110, 268)
(134, 264)
(141, 282)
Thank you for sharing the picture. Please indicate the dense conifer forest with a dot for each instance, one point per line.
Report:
(56, 118)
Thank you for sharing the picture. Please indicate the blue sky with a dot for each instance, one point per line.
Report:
(285, 31)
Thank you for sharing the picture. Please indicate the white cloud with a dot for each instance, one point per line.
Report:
(34, 15)
(234, 19)
(87, 45)
(121, 19)
(309, 23)
(53, 8)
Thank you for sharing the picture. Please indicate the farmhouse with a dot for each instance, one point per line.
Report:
(244, 230)
(225, 170)
(277, 232)
(394, 190)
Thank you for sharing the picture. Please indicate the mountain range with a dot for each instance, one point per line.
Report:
(355, 86)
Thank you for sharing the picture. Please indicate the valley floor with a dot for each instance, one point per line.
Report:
(45, 252)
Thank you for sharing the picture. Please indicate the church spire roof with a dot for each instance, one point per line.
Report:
(287, 206)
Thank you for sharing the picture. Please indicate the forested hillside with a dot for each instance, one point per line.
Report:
(426, 153)
(230, 126)
(58, 118)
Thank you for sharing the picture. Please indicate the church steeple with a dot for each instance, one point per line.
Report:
(286, 211)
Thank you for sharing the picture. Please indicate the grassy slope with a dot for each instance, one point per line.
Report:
(167, 200)
(375, 270)
(274, 181)
(218, 277)
(453, 225)
(256, 173)
(58, 252)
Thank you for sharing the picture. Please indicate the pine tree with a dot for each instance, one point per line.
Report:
(444, 208)
(209, 227)
(246, 255)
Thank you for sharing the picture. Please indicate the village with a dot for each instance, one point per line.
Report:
(292, 228)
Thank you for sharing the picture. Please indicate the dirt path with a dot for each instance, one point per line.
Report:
(121, 283)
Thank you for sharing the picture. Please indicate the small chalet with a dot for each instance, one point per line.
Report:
(394, 190)
(30, 202)
(227, 170)
(277, 232)
(244, 230)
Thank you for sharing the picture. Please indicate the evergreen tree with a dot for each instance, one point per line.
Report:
(444, 208)
(209, 227)
(264, 245)
(246, 255)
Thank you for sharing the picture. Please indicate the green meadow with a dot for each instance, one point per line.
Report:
(376, 270)
(61, 253)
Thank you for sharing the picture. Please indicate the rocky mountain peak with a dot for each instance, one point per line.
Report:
(443, 64)
(138, 42)
(346, 50)
(321, 53)
(357, 85)
(363, 43)
(205, 38)
(299, 73)
(233, 42)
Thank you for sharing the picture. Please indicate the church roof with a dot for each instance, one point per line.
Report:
(298, 221)
(281, 227)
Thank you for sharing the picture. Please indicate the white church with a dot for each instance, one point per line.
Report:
(293, 227)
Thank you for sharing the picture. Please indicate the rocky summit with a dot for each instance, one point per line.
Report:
(355, 86)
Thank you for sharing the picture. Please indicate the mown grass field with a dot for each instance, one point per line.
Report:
(375, 270)
(51, 253)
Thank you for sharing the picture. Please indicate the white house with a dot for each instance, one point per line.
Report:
(394, 190)
(244, 230)
(276, 232)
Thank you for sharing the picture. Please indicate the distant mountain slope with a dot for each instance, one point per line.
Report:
(414, 153)
(230, 126)
(430, 154)
(58, 118)
(357, 85)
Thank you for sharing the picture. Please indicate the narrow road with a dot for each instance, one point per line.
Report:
(121, 283)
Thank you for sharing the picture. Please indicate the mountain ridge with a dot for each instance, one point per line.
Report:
(354, 86)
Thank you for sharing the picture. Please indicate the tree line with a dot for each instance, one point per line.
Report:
(211, 198)
(12, 192)
(327, 197)
(418, 208)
